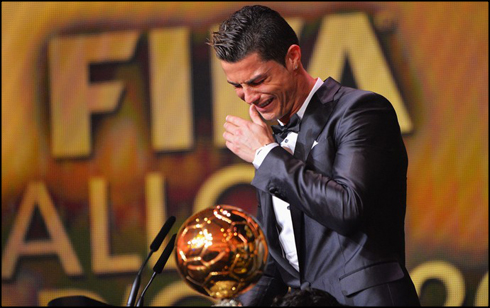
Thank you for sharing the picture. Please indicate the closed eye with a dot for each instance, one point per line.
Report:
(251, 83)
(256, 83)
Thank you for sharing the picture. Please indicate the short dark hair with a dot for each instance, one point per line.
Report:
(251, 29)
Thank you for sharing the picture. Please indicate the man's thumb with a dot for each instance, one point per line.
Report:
(254, 115)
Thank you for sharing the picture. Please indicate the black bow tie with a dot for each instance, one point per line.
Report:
(282, 131)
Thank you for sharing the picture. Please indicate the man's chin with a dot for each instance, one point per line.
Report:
(267, 116)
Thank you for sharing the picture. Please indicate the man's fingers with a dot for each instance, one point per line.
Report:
(254, 115)
(227, 136)
(236, 120)
(230, 128)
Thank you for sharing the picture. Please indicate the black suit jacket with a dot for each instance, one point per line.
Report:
(346, 186)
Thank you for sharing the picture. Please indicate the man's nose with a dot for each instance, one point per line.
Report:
(250, 96)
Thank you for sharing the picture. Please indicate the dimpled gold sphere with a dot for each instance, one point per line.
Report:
(221, 251)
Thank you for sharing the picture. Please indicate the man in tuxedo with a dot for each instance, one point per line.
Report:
(332, 189)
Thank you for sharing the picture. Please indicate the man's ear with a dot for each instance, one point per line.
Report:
(293, 57)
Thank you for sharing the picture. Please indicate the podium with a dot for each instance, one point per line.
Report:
(76, 301)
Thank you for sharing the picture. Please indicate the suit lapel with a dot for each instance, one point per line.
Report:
(316, 117)
(272, 234)
(314, 120)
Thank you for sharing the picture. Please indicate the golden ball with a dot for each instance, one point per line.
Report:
(221, 251)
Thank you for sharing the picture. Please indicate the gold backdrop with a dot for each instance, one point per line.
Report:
(112, 116)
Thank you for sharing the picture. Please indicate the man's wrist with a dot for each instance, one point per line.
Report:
(262, 152)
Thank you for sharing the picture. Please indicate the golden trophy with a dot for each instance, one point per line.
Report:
(221, 252)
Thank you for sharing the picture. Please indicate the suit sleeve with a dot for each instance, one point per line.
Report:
(369, 158)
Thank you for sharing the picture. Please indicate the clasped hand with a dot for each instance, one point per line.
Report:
(244, 137)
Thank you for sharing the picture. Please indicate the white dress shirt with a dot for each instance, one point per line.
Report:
(281, 208)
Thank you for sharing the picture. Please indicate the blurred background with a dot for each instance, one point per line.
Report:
(112, 115)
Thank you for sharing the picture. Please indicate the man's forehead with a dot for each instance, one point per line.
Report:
(247, 69)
